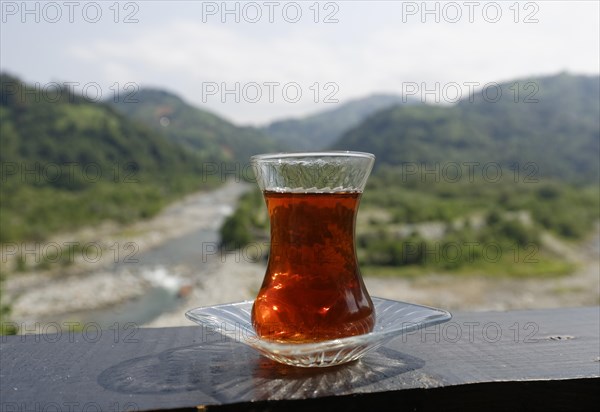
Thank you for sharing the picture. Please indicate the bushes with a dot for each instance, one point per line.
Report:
(235, 232)
(495, 244)
(6, 327)
(492, 228)
(34, 213)
(565, 209)
(249, 218)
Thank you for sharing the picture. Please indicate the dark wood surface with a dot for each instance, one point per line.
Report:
(519, 360)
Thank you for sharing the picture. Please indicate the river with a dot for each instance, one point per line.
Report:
(171, 258)
(157, 266)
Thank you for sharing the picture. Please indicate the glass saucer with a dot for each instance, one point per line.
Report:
(392, 318)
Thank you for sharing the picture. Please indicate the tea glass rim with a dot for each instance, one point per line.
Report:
(308, 155)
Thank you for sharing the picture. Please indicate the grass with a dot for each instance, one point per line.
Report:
(405, 272)
(544, 267)
(566, 290)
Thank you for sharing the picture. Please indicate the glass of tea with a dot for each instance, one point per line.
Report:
(312, 290)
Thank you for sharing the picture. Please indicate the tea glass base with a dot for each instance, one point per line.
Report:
(392, 318)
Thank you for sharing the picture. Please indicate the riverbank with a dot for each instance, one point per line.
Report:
(234, 280)
(127, 265)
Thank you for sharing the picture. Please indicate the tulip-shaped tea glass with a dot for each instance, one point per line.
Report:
(313, 290)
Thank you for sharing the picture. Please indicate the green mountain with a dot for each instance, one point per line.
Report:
(67, 162)
(320, 130)
(547, 127)
(210, 136)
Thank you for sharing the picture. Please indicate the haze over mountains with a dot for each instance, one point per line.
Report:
(547, 126)
(215, 138)
(321, 130)
(204, 133)
(163, 142)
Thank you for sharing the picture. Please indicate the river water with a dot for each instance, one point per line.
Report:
(161, 264)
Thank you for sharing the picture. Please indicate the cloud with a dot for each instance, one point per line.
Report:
(182, 53)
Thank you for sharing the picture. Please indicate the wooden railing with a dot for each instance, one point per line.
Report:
(521, 360)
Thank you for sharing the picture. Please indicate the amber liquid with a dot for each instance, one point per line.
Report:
(313, 289)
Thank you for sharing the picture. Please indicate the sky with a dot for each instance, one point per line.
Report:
(255, 62)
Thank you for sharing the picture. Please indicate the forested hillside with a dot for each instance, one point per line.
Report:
(550, 125)
(68, 162)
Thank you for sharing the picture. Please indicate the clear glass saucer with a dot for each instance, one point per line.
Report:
(392, 318)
